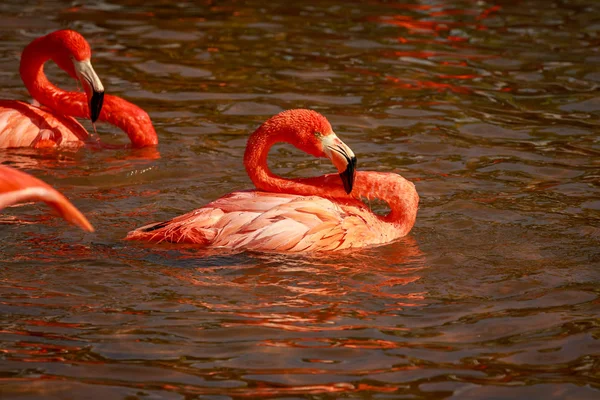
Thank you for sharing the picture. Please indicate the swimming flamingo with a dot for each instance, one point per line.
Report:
(18, 187)
(296, 215)
(25, 125)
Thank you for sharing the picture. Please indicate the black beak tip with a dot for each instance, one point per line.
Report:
(96, 105)
(348, 175)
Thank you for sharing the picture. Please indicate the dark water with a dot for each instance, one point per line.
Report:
(492, 109)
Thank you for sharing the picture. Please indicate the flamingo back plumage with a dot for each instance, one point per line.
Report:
(25, 125)
(262, 221)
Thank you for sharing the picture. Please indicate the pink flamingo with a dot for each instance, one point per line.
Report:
(296, 215)
(18, 187)
(25, 125)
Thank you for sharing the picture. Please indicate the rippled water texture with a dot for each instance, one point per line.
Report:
(490, 108)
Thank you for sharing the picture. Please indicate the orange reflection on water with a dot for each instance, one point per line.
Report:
(258, 390)
(423, 25)
(37, 322)
(488, 11)
(416, 26)
(53, 159)
(318, 293)
(265, 390)
(420, 85)
(430, 54)
(427, 19)
(39, 352)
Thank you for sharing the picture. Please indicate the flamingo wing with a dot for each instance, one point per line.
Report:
(260, 221)
(25, 125)
(17, 187)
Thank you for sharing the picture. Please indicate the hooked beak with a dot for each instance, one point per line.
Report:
(92, 85)
(342, 157)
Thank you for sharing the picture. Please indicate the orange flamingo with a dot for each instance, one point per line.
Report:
(296, 215)
(18, 187)
(25, 125)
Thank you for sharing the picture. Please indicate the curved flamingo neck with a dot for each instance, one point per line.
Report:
(399, 193)
(130, 118)
(32, 73)
(255, 161)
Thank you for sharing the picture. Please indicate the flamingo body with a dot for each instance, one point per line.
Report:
(280, 222)
(296, 215)
(25, 125)
(18, 187)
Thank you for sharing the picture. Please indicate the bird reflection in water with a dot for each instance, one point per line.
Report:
(322, 291)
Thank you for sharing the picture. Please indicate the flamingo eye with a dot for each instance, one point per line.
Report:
(318, 135)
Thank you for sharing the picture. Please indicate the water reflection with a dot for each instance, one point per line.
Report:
(334, 282)
(291, 306)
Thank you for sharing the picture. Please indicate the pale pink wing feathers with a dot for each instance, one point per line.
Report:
(264, 221)
(18, 187)
(25, 125)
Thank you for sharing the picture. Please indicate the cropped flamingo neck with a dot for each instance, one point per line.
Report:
(32, 73)
(399, 193)
(134, 121)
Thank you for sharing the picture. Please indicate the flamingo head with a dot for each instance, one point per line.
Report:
(312, 133)
(72, 53)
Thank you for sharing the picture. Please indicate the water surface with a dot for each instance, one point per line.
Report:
(490, 108)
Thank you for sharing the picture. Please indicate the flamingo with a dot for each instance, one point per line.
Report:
(51, 125)
(17, 187)
(296, 215)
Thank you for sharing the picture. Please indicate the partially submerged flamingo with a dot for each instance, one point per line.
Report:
(18, 187)
(296, 215)
(25, 125)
